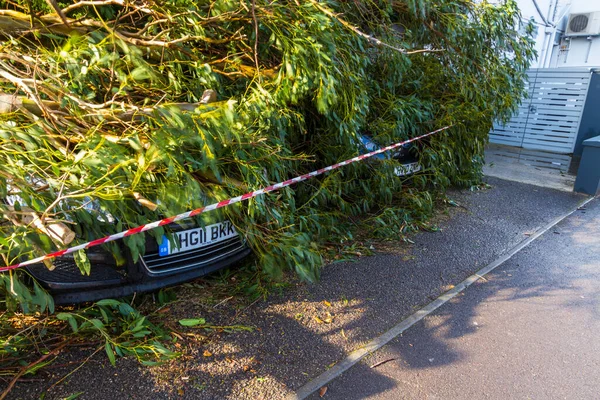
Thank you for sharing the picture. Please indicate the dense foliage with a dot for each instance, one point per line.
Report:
(101, 114)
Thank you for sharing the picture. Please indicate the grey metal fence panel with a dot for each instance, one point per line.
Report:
(549, 117)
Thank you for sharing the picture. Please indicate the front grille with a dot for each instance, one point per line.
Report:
(157, 265)
(66, 275)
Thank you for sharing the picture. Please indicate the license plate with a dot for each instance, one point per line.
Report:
(196, 238)
(407, 169)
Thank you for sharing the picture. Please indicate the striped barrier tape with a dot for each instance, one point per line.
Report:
(224, 203)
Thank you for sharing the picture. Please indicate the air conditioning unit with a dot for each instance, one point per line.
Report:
(584, 24)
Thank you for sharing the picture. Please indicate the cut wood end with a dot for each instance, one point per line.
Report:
(57, 231)
(209, 96)
(145, 202)
(9, 103)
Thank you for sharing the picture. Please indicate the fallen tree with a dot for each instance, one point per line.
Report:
(101, 112)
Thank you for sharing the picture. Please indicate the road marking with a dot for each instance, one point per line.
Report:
(380, 341)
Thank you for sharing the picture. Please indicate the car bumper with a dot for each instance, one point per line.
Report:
(152, 271)
(68, 286)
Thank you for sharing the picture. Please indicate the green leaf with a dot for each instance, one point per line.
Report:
(453, 203)
(109, 352)
(105, 314)
(139, 324)
(70, 319)
(192, 321)
(35, 368)
(82, 261)
(97, 324)
(108, 302)
(126, 310)
(129, 123)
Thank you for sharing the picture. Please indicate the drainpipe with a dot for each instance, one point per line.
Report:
(550, 10)
(566, 51)
(587, 55)
(556, 17)
(546, 44)
(540, 14)
(556, 9)
(549, 50)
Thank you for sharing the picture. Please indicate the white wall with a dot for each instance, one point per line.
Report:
(555, 50)
(549, 10)
(578, 51)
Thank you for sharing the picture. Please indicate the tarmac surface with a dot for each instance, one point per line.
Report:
(530, 330)
(363, 299)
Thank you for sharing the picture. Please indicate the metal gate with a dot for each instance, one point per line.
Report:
(549, 118)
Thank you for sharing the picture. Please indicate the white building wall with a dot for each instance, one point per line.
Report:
(549, 10)
(554, 49)
(577, 51)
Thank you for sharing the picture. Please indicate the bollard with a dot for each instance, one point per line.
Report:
(588, 175)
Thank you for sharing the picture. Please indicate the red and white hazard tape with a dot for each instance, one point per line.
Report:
(214, 206)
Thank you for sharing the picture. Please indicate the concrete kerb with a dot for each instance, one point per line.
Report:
(375, 344)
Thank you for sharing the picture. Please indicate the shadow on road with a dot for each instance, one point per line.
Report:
(301, 333)
(552, 283)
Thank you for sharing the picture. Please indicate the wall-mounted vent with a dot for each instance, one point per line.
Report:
(584, 24)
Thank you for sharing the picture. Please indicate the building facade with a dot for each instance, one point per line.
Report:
(567, 32)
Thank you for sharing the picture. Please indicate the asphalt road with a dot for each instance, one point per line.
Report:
(530, 330)
(364, 298)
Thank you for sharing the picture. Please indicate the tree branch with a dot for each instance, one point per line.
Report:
(80, 4)
(370, 38)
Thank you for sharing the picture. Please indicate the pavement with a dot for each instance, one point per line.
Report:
(306, 329)
(529, 330)
(537, 168)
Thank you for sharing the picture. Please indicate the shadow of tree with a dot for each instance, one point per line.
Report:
(557, 276)
(300, 333)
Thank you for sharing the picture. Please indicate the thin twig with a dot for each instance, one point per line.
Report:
(54, 5)
(370, 38)
(255, 38)
(424, 51)
(28, 367)
(382, 362)
(75, 370)
(92, 3)
(251, 304)
(223, 301)
(19, 83)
